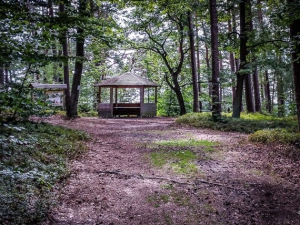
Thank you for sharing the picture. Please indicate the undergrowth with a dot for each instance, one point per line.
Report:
(33, 157)
(275, 135)
(264, 128)
(248, 123)
(80, 113)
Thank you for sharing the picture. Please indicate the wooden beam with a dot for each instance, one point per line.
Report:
(142, 94)
(111, 95)
(116, 95)
(99, 94)
(155, 100)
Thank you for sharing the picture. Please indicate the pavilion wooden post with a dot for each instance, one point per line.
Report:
(141, 100)
(155, 95)
(111, 100)
(99, 94)
(116, 96)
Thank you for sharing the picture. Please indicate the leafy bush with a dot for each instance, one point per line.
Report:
(84, 107)
(275, 135)
(248, 123)
(16, 104)
(33, 158)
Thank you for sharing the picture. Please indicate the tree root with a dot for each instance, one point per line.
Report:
(195, 183)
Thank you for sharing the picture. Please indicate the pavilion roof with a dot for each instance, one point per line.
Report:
(127, 79)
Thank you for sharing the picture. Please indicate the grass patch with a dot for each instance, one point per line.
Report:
(179, 161)
(248, 123)
(185, 143)
(33, 157)
(179, 155)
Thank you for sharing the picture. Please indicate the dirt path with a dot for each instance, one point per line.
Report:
(115, 184)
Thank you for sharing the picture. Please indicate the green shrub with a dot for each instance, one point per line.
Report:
(88, 114)
(33, 157)
(275, 135)
(248, 123)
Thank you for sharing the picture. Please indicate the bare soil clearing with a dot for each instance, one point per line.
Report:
(114, 183)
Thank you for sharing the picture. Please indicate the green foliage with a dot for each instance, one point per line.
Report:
(275, 135)
(88, 114)
(248, 123)
(33, 158)
(16, 104)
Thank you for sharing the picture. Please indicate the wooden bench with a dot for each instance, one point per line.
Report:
(126, 109)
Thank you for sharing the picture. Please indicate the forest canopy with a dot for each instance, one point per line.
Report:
(216, 56)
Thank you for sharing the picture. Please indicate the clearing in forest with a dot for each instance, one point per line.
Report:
(154, 171)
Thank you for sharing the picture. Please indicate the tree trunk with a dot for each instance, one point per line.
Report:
(268, 93)
(233, 85)
(54, 50)
(64, 42)
(78, 65)
(179, 95)
(235, 37)
(294, 33)
(237, 107)
(280, 90)
(1, 74)
(216, 106)
(77, 75)
(198, 69)
(232, 67)
(255, 81)
(208, 78)
(193, 64)
(6, 80)
(280, 96)
(256, 91)
(249, 94)
(248, 81)
(243, 58)
(180, 101)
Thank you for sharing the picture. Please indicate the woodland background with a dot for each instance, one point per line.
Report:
(228, 56)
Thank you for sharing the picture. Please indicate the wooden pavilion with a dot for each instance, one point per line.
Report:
(114, 106)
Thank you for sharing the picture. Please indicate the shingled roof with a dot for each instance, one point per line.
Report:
(127, 79)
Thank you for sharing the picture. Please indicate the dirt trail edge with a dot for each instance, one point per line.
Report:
(114, 183)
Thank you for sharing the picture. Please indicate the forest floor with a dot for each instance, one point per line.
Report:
(114, 183)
